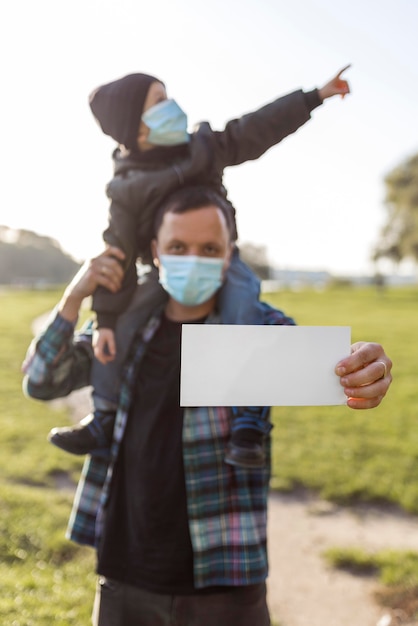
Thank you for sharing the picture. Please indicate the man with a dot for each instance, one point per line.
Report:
(180, 534)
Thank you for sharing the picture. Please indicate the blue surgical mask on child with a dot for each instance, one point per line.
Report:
(190, 280)
(167, 123)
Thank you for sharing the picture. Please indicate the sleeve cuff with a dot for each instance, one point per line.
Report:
(58, 333)
(312, 99)
(106, 320)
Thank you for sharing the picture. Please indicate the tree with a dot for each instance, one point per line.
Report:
(255, 256)
(399, 236)
(27, 258)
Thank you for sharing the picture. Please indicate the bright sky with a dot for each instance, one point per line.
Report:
(315, 200)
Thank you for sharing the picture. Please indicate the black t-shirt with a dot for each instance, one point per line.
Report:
(146, 540)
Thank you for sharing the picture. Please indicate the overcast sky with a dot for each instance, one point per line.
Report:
(316, 200)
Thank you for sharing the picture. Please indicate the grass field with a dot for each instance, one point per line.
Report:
(44, 578)
(356, 455)
(342, 454)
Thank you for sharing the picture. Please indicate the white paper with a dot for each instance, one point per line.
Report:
(225, 365)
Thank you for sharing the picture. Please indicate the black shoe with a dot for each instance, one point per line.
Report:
(247, 454)
(92, 434)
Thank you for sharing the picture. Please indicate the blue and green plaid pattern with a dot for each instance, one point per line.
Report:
(227, 505)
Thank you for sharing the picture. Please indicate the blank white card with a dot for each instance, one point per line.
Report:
(225, 365)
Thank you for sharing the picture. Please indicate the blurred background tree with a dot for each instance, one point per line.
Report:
(399, 237)
(256, 257)
(27, 258)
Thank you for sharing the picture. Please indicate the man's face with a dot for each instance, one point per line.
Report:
(192, 287)
(200, 232)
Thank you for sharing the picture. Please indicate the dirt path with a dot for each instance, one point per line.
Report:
(303, 591)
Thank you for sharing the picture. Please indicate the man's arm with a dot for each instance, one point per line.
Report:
(58, 361)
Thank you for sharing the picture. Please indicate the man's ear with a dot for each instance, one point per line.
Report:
(154, 251)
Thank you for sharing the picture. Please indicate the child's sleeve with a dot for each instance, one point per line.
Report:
(248, 137)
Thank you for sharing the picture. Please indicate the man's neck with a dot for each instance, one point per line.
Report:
(177, 312)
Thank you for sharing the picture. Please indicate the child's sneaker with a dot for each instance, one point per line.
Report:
(93, 433)
(249, 454)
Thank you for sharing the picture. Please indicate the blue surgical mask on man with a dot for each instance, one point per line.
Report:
(167, 124)
(190, 280)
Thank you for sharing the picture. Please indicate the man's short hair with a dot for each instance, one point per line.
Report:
(191, 198)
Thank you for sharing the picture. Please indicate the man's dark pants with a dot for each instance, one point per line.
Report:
(119, 604)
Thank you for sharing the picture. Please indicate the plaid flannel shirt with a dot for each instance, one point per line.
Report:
(227, 506)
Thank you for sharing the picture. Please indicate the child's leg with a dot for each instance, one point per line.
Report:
(239, 304)
(250, 426)
(239, 296)
(149, 295)
(94, 433)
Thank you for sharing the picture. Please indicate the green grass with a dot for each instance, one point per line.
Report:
(348, 455)
(342, 454)
(397, 571)
(393, 567)
(45, 579)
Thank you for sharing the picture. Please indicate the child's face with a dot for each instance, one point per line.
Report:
(156, 93)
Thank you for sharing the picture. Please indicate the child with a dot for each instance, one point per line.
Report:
(155, 156)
